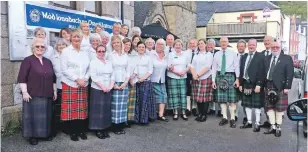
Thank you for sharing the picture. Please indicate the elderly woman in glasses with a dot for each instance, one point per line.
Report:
(95, 40)
(37, 81)
(150, 43)
(40, 32)
(101, 73)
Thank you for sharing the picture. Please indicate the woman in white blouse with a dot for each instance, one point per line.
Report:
(150, 43)
(85, 30)
(101, 73)
(120, 66)
(202, 92)
(95, 40)
(59, 46)
(145, 106)
(178, 65)
(158, 77)
(74, 66)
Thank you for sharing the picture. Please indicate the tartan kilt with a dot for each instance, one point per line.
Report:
(176, 93)
(119, 105)
(202, 90)
(160, 93)
(229, 95)
(280, 106)
(145, 104)
(74, 103)
(252, 101)
(99, 109)
(36, 117)
(131, 103)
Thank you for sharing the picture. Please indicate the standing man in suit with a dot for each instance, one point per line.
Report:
(251, 81)
(210, 47)
(279, 74)
(169, 42)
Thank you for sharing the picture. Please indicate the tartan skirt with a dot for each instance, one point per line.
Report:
(99, 109)
(145, 104)
(119, 105)
(280, 106)
(252, 101)
(202, 90)
(176, 93)
(160, 93)
(131, 103)
(36, 117)
(74, 104)
(229, 95)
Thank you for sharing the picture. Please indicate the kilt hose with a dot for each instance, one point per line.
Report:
(37, 117)
(202, 90)
(145, 104)
(74, 104)
(176, 93)
(99, 110)
(280, 106)
(160, 93)
(119, 105)
(131, 105)
(229, 95)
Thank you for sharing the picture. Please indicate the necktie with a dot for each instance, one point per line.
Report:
(169, 49)
(246, 72)
(193, 54)
(266, 52)
(223, 63)
(270, 76)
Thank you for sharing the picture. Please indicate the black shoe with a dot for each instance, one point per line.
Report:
(270, 131)
(83, 136)
(244, 120)
(247, 125)
(117, 132)
(211, 112)
(106, 134)
(100, 135)
(235, 118)
(199, 117)
(163, 119)
(33, 141)
(122, 131)
(194, 112)
(257, 128)
(203, 118)
(266, 124)
(175, 117)
(188, 113)
(74, 137)
(184, 117)
(278, 131)
(127, 125)
(219, 113)
(223, 122)
(232, 123)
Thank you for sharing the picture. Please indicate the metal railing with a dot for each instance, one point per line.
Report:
(236, 29)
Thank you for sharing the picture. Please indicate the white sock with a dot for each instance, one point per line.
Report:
(212, 105)
(248, 114)
(232, 108)
(271, 117)
(257, 113)
(188, 103)
(237, 109)
(175, 111)
(279, 117)
(194, 105)
(224, 110)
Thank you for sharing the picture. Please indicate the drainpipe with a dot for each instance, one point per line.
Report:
(122, 12)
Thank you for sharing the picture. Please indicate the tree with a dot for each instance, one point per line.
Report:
(298, 8)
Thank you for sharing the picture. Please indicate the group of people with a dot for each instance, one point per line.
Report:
(106, 82)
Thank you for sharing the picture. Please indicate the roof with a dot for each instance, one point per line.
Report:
(206, 9)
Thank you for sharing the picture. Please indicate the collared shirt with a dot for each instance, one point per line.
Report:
(49, 52)
(132, 62)
(57, 68)
(159, 68)
(148, 52)
(269, 52)
(167, 49)
(232, 64)
(203, 60)
(120, 66)
(246, 63)
(180, 64)
(269, 69)
(74, 65)
(144, 65)
(92, 53)
(190, 53)
(85, 41)
(101, 72)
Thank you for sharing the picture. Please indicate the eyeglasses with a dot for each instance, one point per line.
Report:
(100, 51)
(275, 47)
(40, 46)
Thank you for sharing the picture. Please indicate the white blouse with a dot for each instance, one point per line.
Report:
(85, 41)
(148, 52)
(131, 63)
(101, 72)
(159, 68)
(203, 60)
(57, 68)
(120, 66)
(74, 65)
(180, 64)
(144, 65)
(92, 53)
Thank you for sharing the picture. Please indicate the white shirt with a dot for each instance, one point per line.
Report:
(232, 63)
(144, 65)
(92, 53)
(167, 49)
(159, 68)
(74, 65)
(269, 69)
(203, 60)
(189, 53)
(180, 64)
(85, 41)
(120, 66)
(269, 52)
(132, 63)
(49, 52)
(246, 63)
(57, 68)
(150, 53)
(101, 72)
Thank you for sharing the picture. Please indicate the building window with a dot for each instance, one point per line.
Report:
(247, 19)
(93, 7)
(65, 4)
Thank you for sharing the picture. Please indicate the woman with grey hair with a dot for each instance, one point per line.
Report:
(135, 31)
(150, 43)
(105, 37)
(95, 40)
(40, 32)
(37, 81)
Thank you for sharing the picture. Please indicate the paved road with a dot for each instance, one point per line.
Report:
(174, 136)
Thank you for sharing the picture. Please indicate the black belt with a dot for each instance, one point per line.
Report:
(218, 72)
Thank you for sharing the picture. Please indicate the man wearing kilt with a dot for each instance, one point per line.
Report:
(225, 68)
(202, 91)
(251, 80)
(279, 73)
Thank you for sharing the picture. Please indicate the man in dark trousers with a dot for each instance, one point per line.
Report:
(251, 81)
(279, 72)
